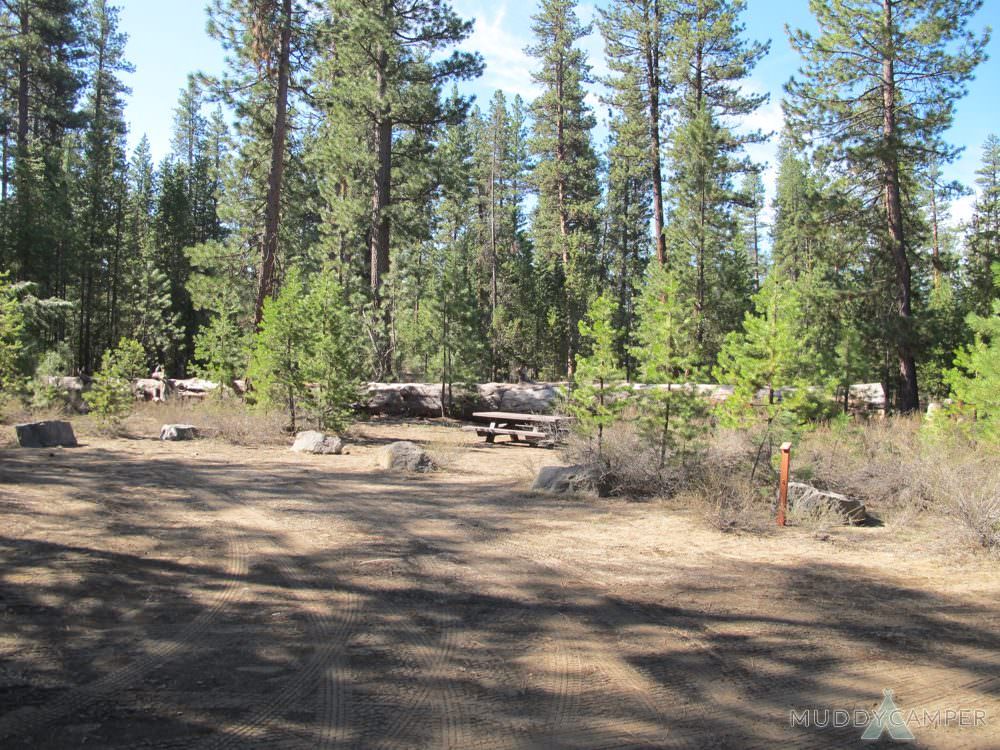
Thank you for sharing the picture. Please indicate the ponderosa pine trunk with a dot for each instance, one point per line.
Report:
(272, 214)
(653, 82)
(908, 394)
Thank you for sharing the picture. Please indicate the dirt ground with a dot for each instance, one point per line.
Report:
(201, 595)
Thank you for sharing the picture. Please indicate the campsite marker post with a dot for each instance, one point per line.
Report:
(786, 460)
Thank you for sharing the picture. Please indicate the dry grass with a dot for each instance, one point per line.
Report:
(903, 476)
(228, 420)
(902, 473)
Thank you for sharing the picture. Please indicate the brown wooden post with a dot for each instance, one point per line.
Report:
(786, 460)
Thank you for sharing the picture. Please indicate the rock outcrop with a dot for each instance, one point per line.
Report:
(806, 500)
(404, 456)
(562, 480)
(311, 441)
(49, 434)
(178, 432)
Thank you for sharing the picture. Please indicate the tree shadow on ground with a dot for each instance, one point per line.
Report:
(179, 603)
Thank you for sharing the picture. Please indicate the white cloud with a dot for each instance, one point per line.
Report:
(508, 67)
(961, 210)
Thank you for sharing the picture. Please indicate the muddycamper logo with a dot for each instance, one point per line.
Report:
(887, 718)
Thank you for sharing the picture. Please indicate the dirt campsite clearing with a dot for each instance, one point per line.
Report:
(201, 595)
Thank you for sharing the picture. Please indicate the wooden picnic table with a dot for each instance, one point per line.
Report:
(528, 427)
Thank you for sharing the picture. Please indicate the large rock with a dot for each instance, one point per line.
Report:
(150, 389)
(312, 441)
(71, 390)
(178, 432)
(404, 456)
(867, 398)
(806, 500)
(192, 385)
(564, 480)
(532, 398)
(49, 434)
(405, 399)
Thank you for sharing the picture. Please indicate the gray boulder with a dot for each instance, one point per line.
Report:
(535, 398)
(404, 456)
(806, 500)
(405, 399)
(312, 441)
(70, 390)
(178, 432)
(50, 434)
(563, 480)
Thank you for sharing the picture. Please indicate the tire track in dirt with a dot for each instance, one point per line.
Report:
(432, 657)
(649, 690)
(323, 669)
(26, 720)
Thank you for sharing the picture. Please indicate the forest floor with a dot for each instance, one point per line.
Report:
(197, 595)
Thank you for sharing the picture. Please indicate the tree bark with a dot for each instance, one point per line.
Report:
(653, 82)
(272, 215)
(493, 255)
(381, 195)
(908, 400)
(23, 74)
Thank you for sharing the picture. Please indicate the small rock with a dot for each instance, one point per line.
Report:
(49, 434)
(178, 432)
(312, 441)
(404, 456)
(804, 499)
(564, 480)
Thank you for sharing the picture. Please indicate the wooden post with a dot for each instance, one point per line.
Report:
(786, 460)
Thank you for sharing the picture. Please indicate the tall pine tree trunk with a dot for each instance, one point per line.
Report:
(380, 223)
(493, 256)
(564, 224)
(272, 213)
(653, 82)
(908, 395)
(23, 73)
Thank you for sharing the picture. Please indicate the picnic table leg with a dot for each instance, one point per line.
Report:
(490, 436)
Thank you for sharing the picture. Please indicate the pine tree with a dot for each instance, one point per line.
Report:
(501, 166)
(565, 225)
(797, 215)
(103, 261)
(878, 88)
(333, 369)
(710, 58)
(263, 87)
(41, 52)
(386, 65)
(752, 227)
(283, 349)
(11, 343)
(770, 360)
(666, 351)
(635, 36)
(111, 398)
(595, 399)
(975, 380)
(626, 239)
(983, 240)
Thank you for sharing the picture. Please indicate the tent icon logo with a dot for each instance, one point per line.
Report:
(887, 718)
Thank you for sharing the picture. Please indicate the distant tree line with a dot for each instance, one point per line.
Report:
(335, 171)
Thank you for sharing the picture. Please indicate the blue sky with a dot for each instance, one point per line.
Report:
(168, 40)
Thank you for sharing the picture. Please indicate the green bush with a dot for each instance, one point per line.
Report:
(975, 381)
(11, 342)
(305, 357)
(595, 400)
(111, 398)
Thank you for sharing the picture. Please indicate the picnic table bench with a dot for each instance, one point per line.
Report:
(537, 429)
